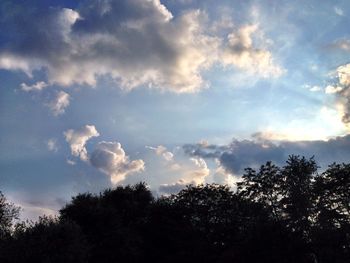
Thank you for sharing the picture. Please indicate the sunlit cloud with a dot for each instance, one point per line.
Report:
(241, 53)
(78, 138)
(153, 49)
(110, 158)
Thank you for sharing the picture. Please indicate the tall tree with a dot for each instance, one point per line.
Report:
(264, 186)
(297, 202)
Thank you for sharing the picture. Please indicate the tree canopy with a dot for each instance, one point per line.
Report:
(278, 214)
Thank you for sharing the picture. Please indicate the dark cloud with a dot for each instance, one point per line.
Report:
(252, 153)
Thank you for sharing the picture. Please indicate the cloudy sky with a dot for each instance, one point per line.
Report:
(98, 93)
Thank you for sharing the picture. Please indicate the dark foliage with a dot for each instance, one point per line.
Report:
(277, 214)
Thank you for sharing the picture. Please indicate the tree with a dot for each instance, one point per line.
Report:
(8, 213)
(47, 240)
(297, 201)
(264, 186)
(286, 194)
(112, 222)
(331, 233)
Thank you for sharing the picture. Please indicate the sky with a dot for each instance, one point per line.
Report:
(100, 93)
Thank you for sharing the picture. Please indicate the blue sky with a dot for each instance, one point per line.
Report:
(99, 93)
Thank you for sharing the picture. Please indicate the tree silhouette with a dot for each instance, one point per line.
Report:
(112, 222)
(331, 233)
(277, 214)
(48, 240)
(8, 213)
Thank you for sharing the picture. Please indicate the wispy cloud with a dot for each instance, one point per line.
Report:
(59, 103)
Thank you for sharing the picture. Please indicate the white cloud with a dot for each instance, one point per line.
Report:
(199, 174)
(136, 43)
(224, 177)
(161, 150)
(71, 162)
(344, 74)
(332, 89)
(52, 145)
(241, 53)
(16, 62)
(168, 156)
(59, 103)
(110, 158)
(78, 138)
(338, 11)
(38, 86)
(190, 171)
(342, 91)
(315, 88)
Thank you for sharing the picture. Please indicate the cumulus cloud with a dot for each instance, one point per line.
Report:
(195, 172)
(78, 138)
(241, 53)
(110, 158)
(38, 86)
(199, 174)
(183, 171)
(161, 150)
(341, 90)
(135, 42)
(225, 177)
(240, 154)
(59, 104)
(332, 89)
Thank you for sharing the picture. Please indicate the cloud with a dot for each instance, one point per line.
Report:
(78, 138)
(59, 103)
(135, 42)
(172, 188)
(315, 88)
(224, 177)
(52, 145)
(240, 154)
(70, 162)
(199, 174)
(110, 158)
(241, 53)
(338, 11)
(332, 89)
(341, 90)
(195, 172)
(162, 151)
(38, 86)
(343, 44)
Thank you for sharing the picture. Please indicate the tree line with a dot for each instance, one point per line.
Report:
(277, 214)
